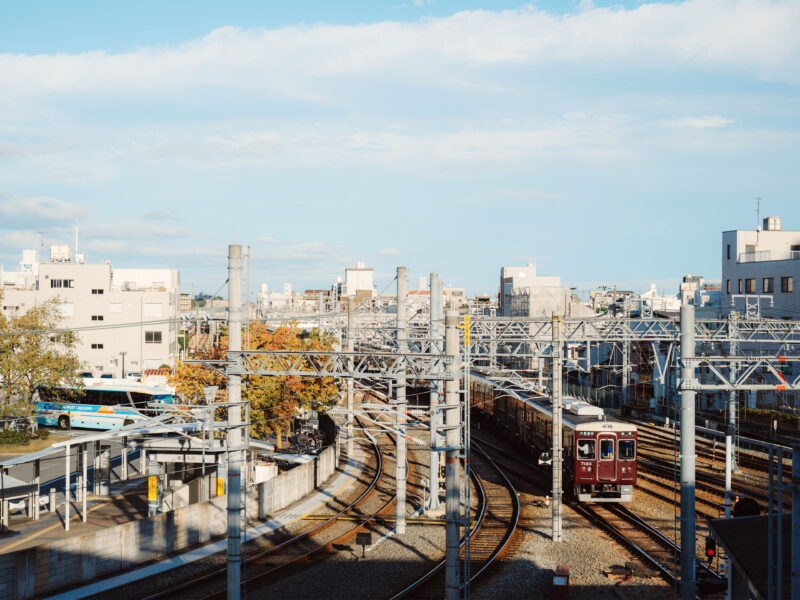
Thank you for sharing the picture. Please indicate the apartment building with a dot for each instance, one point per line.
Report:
(763, 262)
(523, 293)
(128, 316)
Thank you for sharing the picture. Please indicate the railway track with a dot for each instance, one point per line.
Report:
(644, 539)
(494, 528)
(298, 551)
(631, 530)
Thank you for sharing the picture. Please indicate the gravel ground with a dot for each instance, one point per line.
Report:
(390, 564)
(527, 569)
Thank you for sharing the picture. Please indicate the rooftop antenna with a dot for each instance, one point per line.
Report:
(758, 217)
(758, 212)
(41, 234)
(76, 240)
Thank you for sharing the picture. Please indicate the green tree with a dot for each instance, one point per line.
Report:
(34, 352)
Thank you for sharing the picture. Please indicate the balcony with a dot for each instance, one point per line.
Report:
(751, 257)
(764, 255)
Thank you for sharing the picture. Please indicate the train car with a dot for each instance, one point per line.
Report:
(599, 451)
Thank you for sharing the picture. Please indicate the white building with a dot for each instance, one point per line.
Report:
(762, 263)
(358, 282)
(524, 294)
(689, 286)
(97, 297)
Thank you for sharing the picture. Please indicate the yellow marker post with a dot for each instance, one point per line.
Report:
(220, 486)
(465, 327)
(152, 488)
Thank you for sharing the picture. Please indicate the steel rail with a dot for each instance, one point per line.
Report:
(416, 589)
(194, 582)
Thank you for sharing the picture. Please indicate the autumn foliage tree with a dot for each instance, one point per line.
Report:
(273, 400)
(34, 352)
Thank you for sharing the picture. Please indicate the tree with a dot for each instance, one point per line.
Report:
(34, 352)
(274, 401)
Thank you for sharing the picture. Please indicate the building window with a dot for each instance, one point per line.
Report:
(768, 285)
(740, 286)
(728, 286)
(97, 317)
(97, 291)
(729, 251)
(97, 346)
(749, 286)
(152, 337)
(62, 283)
(787, 284)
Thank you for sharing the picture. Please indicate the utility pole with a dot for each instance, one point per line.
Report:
(556, 394)
(321, 310)
(436, 333)
(730, 430)
(234, 424)
(626, 366)
(401, 405)
(351, 324)
(122, 354)
(452, 462)
(688, 517)
(247, 299)
(795, 523)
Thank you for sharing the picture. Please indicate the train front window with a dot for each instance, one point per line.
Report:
(627, 450)
(585, 449)
(606, 449)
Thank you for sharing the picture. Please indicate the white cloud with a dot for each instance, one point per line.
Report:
(34, 212)
(701, 122)
(268, 239)
(751, 36)
(389, 251)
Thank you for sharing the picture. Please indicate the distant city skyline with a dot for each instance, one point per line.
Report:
(614, 142)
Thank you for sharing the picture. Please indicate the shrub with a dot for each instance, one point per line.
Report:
(10, 437)
(43, 434)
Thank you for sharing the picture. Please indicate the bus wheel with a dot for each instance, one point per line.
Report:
(63, 422)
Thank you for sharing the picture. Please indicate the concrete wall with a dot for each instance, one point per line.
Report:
(79, 559)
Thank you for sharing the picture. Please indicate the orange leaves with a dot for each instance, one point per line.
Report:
(273, 400)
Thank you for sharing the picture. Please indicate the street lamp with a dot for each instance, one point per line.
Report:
(122, 354)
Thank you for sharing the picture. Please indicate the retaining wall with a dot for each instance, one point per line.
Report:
(78, 559)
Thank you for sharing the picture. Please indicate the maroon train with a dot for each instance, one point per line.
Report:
(599, 450)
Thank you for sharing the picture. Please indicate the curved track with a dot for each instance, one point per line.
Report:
(277, 561)
(494, 528)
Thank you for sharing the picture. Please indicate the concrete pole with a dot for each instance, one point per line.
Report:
(779, 527)
(351, 337)
(124, 459)
(235, 425)
(688, 517)
(770, 528)
(436, 316)
(556, 397)
(626, 365)
(452, 466)
(66, 488)
(401, 404)
(796, 523)
(730, 430)
(84, 491)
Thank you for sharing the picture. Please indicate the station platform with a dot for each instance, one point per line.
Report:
(334, 487)
(126, 502)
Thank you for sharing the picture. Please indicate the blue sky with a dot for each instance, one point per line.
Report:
(611, 141)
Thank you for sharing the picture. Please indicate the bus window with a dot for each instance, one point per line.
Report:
(627, 450)
(585, 449)
(606, 449)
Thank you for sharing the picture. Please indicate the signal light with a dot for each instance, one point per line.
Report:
(711, 548)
